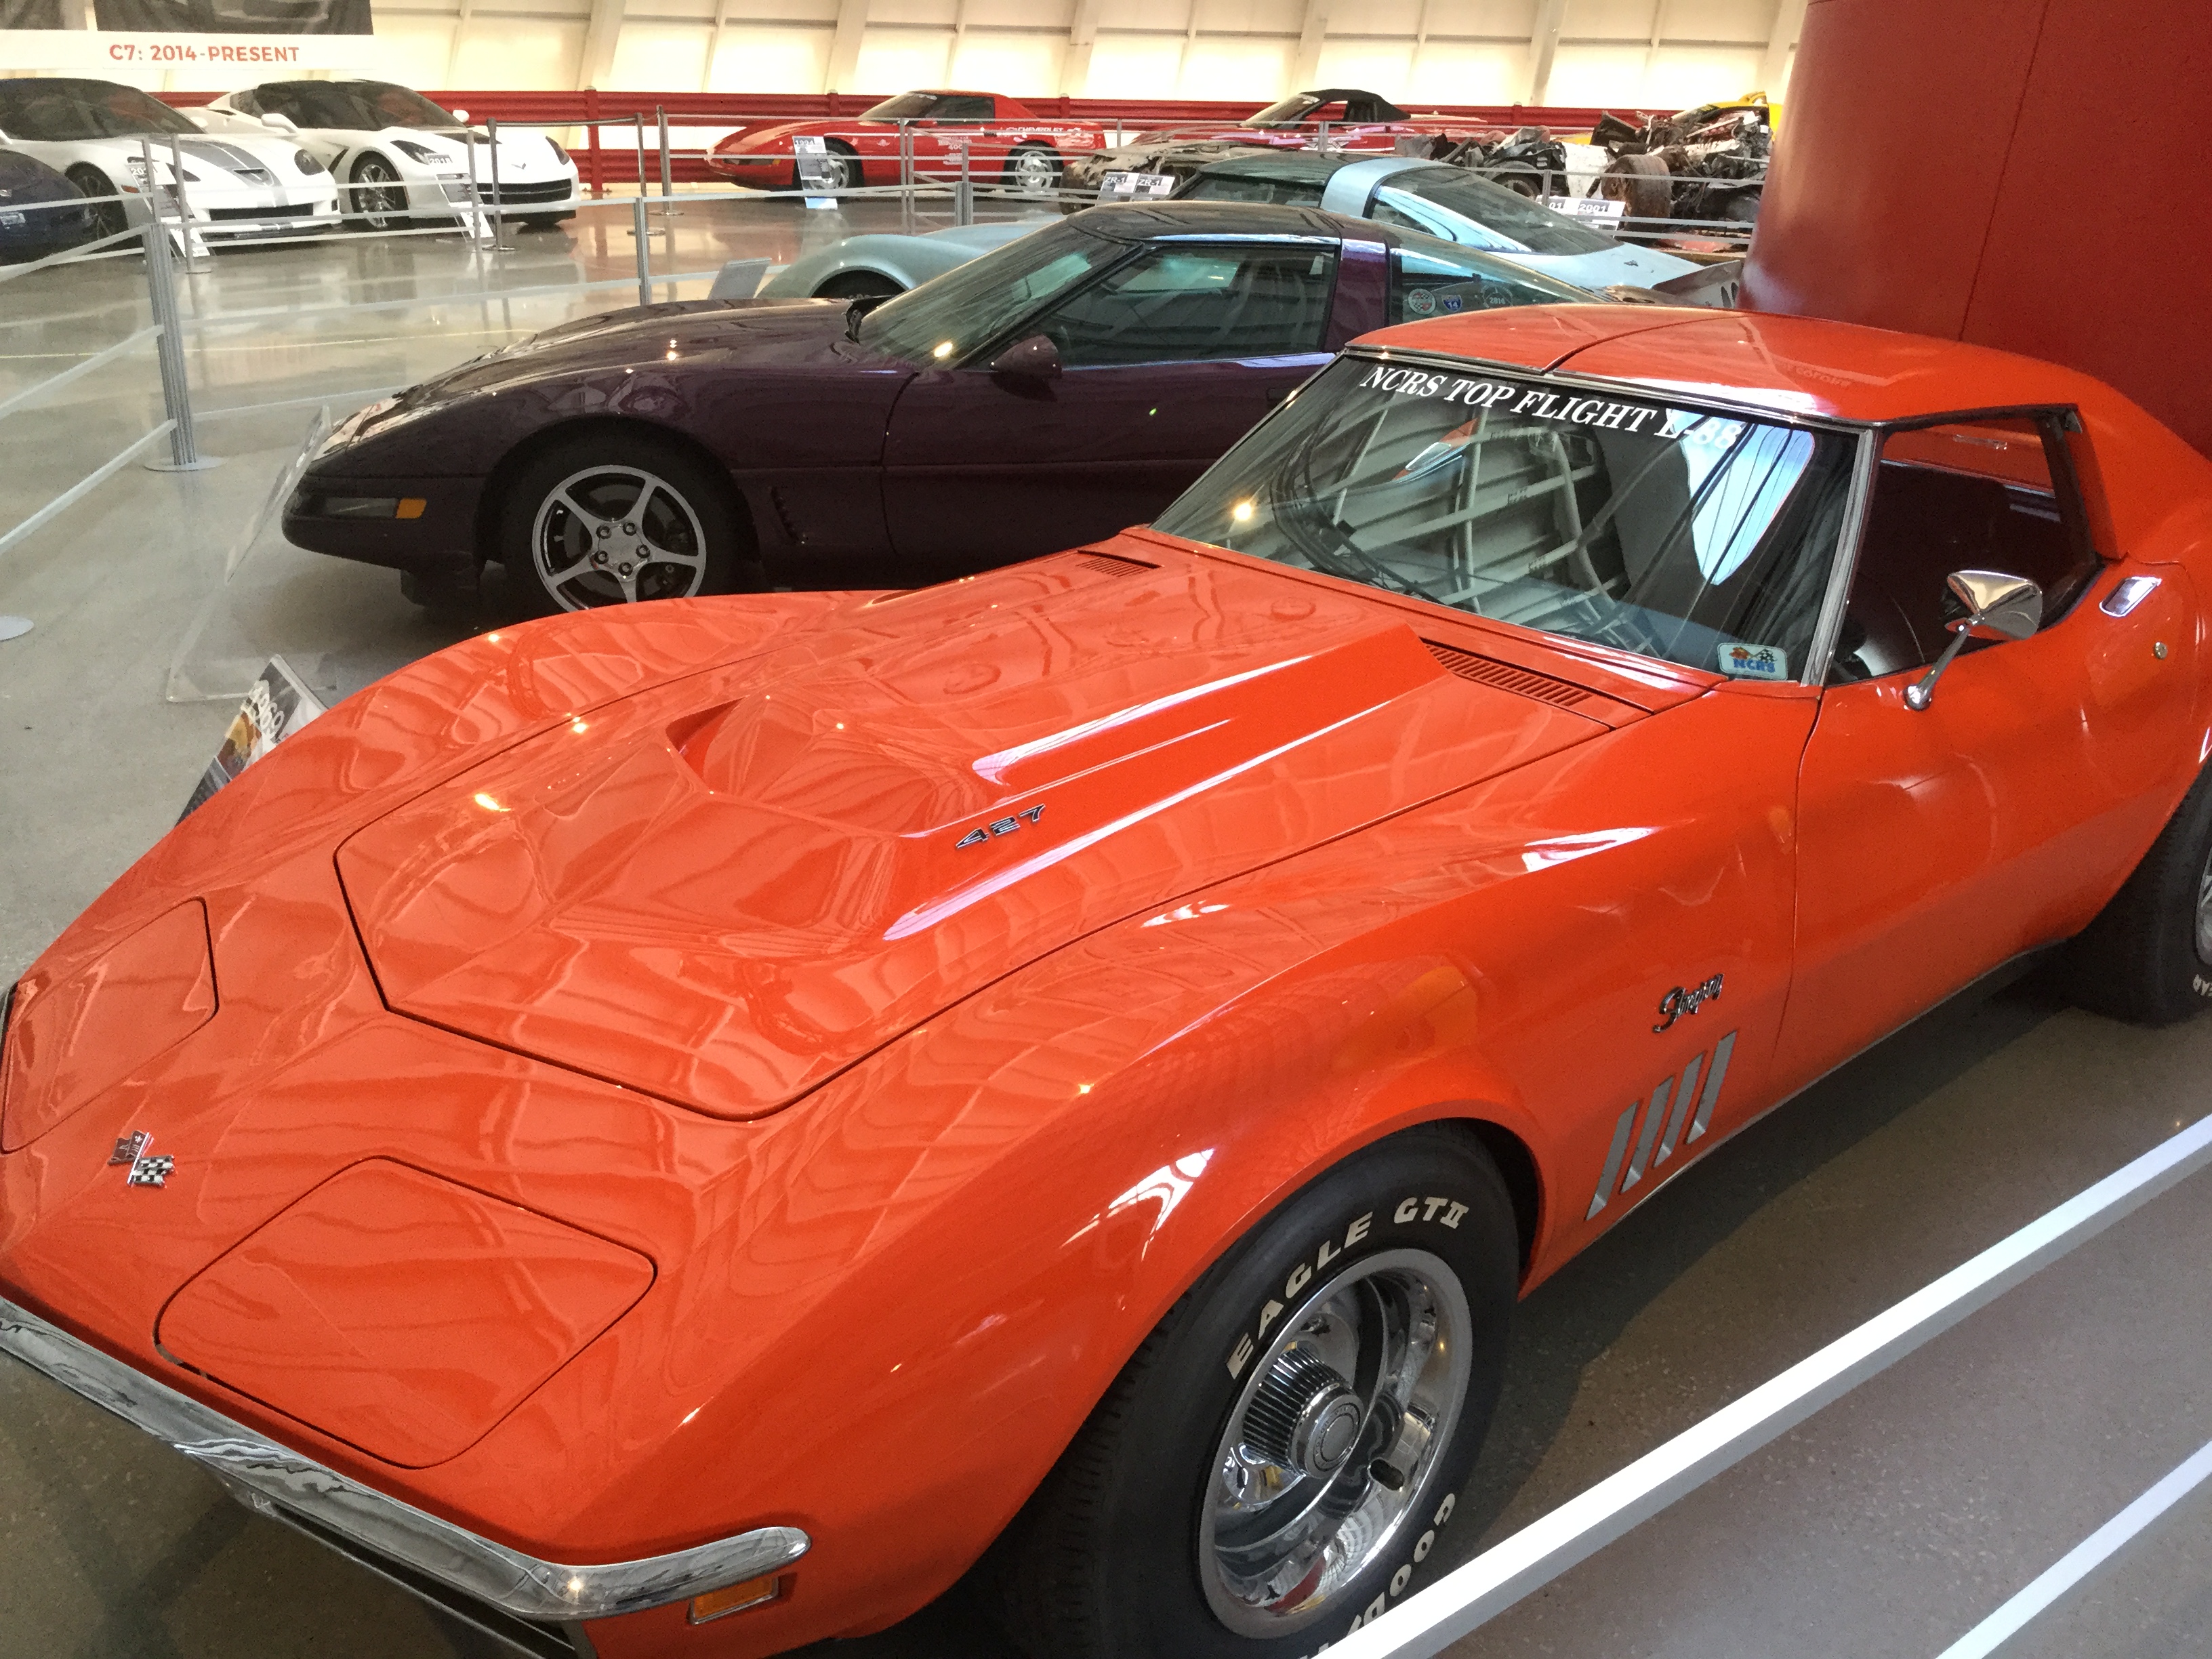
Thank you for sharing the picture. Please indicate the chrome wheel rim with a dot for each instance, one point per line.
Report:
(1333, 1444)
(1035, 170)
(840, 171)
(2204, 915)
(378, 196)
(614, 535)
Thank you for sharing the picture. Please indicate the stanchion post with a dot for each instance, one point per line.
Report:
(667, 187)
(644, 253)
(963, 198)
(185, 237)
(498, 208)
(169, 347)
(639, 121)
(906, 177)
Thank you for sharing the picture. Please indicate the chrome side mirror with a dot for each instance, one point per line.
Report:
(1035, 358)
(1998, 607)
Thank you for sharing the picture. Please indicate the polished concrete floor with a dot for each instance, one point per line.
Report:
(1889, 1523)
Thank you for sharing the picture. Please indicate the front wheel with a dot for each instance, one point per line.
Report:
(1033, 170)
(2147, 956)
(108, 219)
(1276, 1464)
(379, 200)
(615, 517)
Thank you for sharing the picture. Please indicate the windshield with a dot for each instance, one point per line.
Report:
(1677, 533)
(1283, 112)
(355, 106)
(69, 112)
(1417, 193)
(907, 106)
(948, 317)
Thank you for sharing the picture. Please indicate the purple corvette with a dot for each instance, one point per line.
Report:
(1069, 384)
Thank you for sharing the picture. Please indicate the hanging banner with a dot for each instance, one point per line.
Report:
(98, 37)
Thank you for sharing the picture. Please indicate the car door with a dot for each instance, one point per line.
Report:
(1167, 358)
(1936, 844)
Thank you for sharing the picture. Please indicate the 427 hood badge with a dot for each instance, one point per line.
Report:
(1681, 1001)
(1001, 827)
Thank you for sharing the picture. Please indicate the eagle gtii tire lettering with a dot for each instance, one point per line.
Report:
(613, 517)
(1277, 1463)
(2147, 956)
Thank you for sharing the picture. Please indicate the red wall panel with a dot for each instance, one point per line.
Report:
(2015, 172)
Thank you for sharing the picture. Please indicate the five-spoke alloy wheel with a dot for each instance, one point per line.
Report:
(613, 534)
(614, 517)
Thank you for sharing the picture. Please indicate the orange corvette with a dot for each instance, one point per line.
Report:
(676, 1130)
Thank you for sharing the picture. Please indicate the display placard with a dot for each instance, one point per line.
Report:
(1602, 209)
(1136, 186)
(277, 704)
(814, 171)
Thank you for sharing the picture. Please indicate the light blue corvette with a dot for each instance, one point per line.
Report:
(883, 263)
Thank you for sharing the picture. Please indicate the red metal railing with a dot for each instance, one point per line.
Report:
(738, 111)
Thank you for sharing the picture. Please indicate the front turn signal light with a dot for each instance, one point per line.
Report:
(736, 1598)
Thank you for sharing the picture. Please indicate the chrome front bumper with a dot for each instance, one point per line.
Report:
(282, 1483)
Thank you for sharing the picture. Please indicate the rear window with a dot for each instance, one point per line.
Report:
(1693, 535)
(1234, 187)
(1433, 278)
(1524, 224)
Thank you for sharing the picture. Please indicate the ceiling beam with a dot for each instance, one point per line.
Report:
(1781, 40)
(1544, 48)
(601, 30)
(1082, 35)
(1305, 68)
(845, 46)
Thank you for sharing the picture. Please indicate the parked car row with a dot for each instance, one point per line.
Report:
(276, 160)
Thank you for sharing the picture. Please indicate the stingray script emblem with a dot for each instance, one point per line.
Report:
(1686, 1000)
(1002, 827)
(145, 1170)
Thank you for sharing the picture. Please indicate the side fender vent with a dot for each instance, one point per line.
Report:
(1108, 564)
(1525, 682)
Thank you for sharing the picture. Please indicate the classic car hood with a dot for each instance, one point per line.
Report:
(725, 891)
(749, 330)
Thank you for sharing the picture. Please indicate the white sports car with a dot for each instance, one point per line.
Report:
(398, 157)
(96, 133)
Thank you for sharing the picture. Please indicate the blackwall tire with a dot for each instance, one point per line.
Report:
(859, 285)
(108, 219)
(1640, 184)
(673, 529)
(1144, 1540)
(1033, 170)
(2147, 956)
(843, 170)
(375, 195)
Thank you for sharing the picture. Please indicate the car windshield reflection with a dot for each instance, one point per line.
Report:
(945, 319)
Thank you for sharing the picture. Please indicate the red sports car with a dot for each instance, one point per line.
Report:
(1006, 139)
(675, 1129)
(1334, 117)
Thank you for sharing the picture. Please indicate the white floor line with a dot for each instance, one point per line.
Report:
(2081, 1560)
(1469, 1596)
